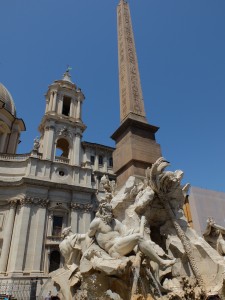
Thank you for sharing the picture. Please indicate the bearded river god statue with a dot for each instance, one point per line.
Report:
(140, 246)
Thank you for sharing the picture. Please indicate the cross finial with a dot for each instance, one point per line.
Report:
(66, 75)
(69, 68)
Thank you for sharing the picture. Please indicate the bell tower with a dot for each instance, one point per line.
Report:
(61, 127)
(136, 147)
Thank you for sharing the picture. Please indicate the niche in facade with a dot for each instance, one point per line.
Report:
(62, 148)
(66, 106)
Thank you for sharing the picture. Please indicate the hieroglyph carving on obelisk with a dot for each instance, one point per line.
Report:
(131, 99)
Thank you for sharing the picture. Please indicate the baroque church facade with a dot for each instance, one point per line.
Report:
(54, 186)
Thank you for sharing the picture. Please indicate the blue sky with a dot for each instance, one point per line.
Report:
(181, 53)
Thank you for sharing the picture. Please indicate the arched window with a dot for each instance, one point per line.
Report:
(54, 260)
(62, 148)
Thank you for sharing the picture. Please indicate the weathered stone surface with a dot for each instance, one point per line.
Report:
(129, 257)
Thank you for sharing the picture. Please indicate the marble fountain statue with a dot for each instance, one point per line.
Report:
(140, 246)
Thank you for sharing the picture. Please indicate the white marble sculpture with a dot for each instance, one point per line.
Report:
(140, 245)
(215, 236)
(36, 144)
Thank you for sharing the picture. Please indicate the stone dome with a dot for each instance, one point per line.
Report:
(6, 97)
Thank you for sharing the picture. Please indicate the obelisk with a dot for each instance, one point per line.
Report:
(136, 148)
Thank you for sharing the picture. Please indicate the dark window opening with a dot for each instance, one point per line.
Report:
(62, 148)
(57, 226)
(61, 173)
(92, 178)
(111, 162)
(92, 160)
(100, 160)
(66, 106)
(54, 261)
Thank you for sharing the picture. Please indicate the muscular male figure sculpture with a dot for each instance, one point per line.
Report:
(111, 236)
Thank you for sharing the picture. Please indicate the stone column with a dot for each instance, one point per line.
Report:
(65, 220)
(60, 104)
(50, 224)
(47, 105)
(18, 248)
(105, 163)
(74, 217)
(50, 102)
(39, 239)
(54, 102)
(87, 214)
(81, 222)
(7, 237)
(72, 108)
(78, 112)
(96, 163)
(47, 260)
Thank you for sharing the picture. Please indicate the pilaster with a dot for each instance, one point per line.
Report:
(83, 215)
(76, 149)
(13, 141)
(40, 235)
(74, 217)
(47, 104)
(18, 248)
(7, 237)
(49, 142)
(2, 144)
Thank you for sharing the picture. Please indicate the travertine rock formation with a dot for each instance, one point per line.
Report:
(140, 246)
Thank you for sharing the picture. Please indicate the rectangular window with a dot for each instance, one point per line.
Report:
(100, 160)
(92, 160)
(57, 226)
(110, 162)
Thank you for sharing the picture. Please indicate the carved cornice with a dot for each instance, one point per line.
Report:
(49, 128)
(13, 203)
(83, 207)
(64, 132)
(41, 202)
(78, 134)
(26, 201)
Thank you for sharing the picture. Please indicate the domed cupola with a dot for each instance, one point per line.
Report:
(10, 125)
(7, 99)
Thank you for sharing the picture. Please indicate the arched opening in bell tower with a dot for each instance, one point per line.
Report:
(66, 106)
(62, 148)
